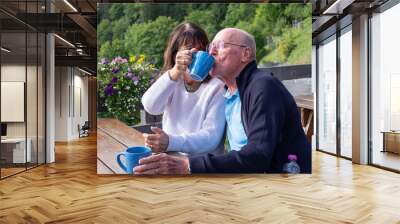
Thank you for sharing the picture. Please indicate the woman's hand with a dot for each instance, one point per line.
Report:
(182, 61)
(158, 141)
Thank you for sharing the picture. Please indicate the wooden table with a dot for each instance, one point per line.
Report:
(305, 103)
(113, 137)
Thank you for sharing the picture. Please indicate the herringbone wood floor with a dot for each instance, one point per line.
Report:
(70, 191)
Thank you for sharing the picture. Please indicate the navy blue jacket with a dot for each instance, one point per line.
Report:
(272, 124)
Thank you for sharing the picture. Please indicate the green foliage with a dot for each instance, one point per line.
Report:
(132, 13)
(288, 38)
(282, 31)
(119, 28)
(105, 32)
(237, 13)
(204, 17)
(150, 12)
(302, 44)
(116, 11)
(149, 38)
(114, 49)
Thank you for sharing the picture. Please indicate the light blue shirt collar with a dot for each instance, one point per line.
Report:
(235, 132)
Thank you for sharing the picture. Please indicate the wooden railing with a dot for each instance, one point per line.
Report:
(305, 104)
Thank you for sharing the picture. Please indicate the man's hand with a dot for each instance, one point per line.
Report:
(158, 141)
(163, 164)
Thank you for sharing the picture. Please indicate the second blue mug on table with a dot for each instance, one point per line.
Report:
(132, 156)
(202, 63)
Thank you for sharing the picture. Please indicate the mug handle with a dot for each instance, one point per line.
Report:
(120, 162)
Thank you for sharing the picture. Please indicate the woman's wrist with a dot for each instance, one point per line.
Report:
(173, 74)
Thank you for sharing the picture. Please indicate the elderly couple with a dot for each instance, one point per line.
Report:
(262, 120)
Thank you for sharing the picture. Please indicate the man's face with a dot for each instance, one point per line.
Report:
(228, 52)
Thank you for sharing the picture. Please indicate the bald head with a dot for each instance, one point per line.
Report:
(241, 37)
(238, 49)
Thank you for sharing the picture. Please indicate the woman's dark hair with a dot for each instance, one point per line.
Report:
(185, 34)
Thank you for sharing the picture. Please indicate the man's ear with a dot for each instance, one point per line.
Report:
(246, 55)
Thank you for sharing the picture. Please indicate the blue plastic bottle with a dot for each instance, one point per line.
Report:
(291, 166)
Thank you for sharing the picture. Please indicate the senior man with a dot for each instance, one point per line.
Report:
(263, 122)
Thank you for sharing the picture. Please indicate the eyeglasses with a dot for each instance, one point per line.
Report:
(221, 45)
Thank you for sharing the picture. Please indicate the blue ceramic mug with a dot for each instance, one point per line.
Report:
(202, 63)
(132, 156)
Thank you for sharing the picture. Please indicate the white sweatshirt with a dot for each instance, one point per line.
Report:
(194, 121)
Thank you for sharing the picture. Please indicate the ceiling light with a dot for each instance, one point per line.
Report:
(338, 6)
(86, 72)
(5, 49)
(64, 40)
(70, 5)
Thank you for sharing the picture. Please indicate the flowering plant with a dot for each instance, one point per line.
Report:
(122, 83)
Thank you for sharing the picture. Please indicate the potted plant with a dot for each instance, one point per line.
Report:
(122, 83)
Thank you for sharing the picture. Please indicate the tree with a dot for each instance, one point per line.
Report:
(119, 27)
(112, 49)
(133, 13)
(149, 39)
(219, 12)
(301, 53)
(116, 11)
(205, 19)
(282, 31)
(284, 40)
(104, 32)
(237, 13)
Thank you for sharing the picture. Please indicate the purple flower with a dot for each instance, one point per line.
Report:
(135, 79)
(114, 80)
(109, 90)
(104, 61)
(115, 70)
(132, 77)
(129, 75)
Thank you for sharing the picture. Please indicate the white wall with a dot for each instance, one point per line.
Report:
(71, 87)
(14, 72)
(33, 126)
(61, 103)
(80, 110)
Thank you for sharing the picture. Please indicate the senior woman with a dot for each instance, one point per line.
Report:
(193, 112)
